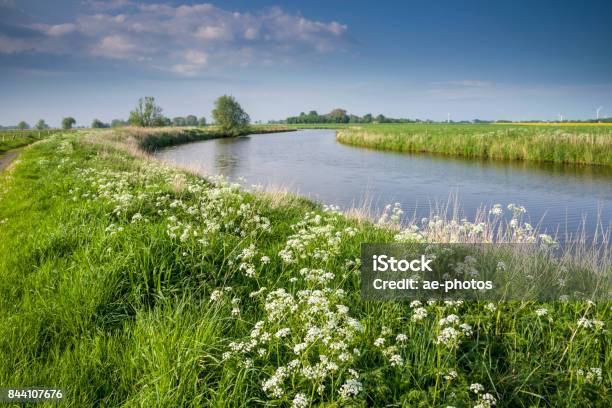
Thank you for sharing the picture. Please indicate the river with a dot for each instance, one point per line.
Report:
(560, 199)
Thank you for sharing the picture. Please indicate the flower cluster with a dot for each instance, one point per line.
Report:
(452, 331)
(485, 400)
(308, 327)
(592, 375)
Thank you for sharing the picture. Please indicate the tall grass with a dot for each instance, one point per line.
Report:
(559, 144)
(128, 283)
(147, 140)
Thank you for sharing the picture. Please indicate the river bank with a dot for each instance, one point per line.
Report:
(589, 145)
(128, 282)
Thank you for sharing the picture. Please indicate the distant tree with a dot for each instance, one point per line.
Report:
(178, 121)
(341, 116)
(40, 125)
(191, 120)
(202, 121)
(118, 123)
(68, 122)
(98, 124)
(23, 125)
(229, 115)
(146, 113)
(354, 119)
(338, 116)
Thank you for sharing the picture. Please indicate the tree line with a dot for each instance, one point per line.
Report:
(341, 116)
(227, 114)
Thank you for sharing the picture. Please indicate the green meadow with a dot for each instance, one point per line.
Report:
(17, 138)
(589, 144)
(126, 282)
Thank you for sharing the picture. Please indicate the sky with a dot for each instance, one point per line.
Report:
(515, 60)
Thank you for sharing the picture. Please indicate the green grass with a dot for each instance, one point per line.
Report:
(125, 283)
(17, 138)
(590, 145)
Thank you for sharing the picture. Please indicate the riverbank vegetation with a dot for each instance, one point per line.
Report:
(129, 283)
(151, 139)
(560, 144)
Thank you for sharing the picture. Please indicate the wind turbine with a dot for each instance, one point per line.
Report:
(448, 118)
(560, 117)
(598, 109)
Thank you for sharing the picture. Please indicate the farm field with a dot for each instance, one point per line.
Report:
(128, 282)
(17, 138)
(589, 144)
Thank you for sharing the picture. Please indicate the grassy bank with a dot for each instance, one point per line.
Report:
(150, 139)
(127, 283)
(560, 144)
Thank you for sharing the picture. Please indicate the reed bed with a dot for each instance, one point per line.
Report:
(590, 145)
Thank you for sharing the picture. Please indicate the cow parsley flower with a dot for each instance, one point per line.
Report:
(350, 388)
(476, 388)
(299, 401)
(449, 320)
(497, 210)
(419, 314)
(396, 360)
(541, 312)
(448, 336)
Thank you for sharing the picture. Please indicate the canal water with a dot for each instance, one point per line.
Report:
(560, 199)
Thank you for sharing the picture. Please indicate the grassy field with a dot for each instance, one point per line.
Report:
(128, 283)
(578, 144)
(12, 139)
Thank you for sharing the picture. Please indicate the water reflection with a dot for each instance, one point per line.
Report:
(311, 162)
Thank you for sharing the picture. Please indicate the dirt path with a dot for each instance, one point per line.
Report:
(8, 157)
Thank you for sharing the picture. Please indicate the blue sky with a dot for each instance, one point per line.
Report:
(473, 59)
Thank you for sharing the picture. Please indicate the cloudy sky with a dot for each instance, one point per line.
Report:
(473, 59)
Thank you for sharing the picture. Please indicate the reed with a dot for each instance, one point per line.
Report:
(590, 145)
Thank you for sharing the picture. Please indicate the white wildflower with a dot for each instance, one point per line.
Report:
(396, 360)
(541, 312)
(476, 388)
(419, 314)
(350, 388)
(299, 401)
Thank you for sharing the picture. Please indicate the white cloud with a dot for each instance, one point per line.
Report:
(184, 39)
(213, 33)
(251, 33)
(185, 69)
(196, 57)
(60, 29)
(114, 46)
